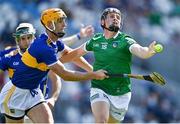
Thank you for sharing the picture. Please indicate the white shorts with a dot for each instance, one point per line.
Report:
(118, 104)
(16, 102)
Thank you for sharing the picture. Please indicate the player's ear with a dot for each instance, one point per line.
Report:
(51, 25)
(102, 22)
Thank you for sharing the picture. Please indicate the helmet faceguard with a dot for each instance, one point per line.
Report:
(24, 29)
(21, 30)
(53, 15)
(112, 27)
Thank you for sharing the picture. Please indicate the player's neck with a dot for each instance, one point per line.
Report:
(52, 36)
(20, 51)
(109, 34)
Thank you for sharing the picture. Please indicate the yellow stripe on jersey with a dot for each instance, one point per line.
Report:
(32, 62)
(5, 103)
(48, 41)
(10, 72)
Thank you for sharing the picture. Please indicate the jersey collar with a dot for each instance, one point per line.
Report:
(115, 36)
(19, 51)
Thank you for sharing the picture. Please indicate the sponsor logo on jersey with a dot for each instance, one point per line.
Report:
(95, 45)
(12, 110)
(15, 63)
(94, 97)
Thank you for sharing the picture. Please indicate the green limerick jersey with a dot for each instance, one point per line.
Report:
(112, 55)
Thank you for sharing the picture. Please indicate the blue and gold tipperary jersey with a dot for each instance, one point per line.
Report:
(35, 61)
(4, 52)
(10, 61)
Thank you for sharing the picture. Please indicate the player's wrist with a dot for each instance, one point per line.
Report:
(78, 36)
(90, 75)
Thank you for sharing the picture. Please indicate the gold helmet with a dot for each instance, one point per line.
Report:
(52, 15)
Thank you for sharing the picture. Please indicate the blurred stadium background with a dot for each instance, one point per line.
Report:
(144, 20)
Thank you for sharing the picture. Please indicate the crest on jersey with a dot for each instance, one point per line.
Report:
(115, 44)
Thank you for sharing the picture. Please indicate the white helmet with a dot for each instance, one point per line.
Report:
(24, 29)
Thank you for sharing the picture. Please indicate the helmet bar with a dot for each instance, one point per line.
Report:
(24, 29)
(109, 10)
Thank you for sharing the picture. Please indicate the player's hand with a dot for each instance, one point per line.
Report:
(99, 75)
(152, 47)
(86, 31)
(51, 102)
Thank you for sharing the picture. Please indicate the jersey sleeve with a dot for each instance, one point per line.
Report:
(3, 52)
(43, 54)
(4, 63)
(89, 45)
(129, 41)
(60, 46)
(49, 57)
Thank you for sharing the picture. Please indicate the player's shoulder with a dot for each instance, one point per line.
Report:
(40, 40)
(122, 34)
(127, 38)
(59, 43)
(39, 43)
(6, 51)
(97, 36)
(12, 53)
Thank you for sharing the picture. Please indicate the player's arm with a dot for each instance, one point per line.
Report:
(56, 88)
(82, 63)
(79, 61)
(7, 50)
(84, 32)
(69, 75)
(143, 52)
(73, 54)
(4, 63)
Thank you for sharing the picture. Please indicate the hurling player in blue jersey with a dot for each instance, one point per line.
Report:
(23, 39)
(22, 95)
(84, 32)
(10, 57)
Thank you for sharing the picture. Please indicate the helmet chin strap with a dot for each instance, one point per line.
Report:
(111, 28)
(23, 49)
(59, 34)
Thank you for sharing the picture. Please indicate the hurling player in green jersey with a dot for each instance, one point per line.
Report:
(113, 52)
